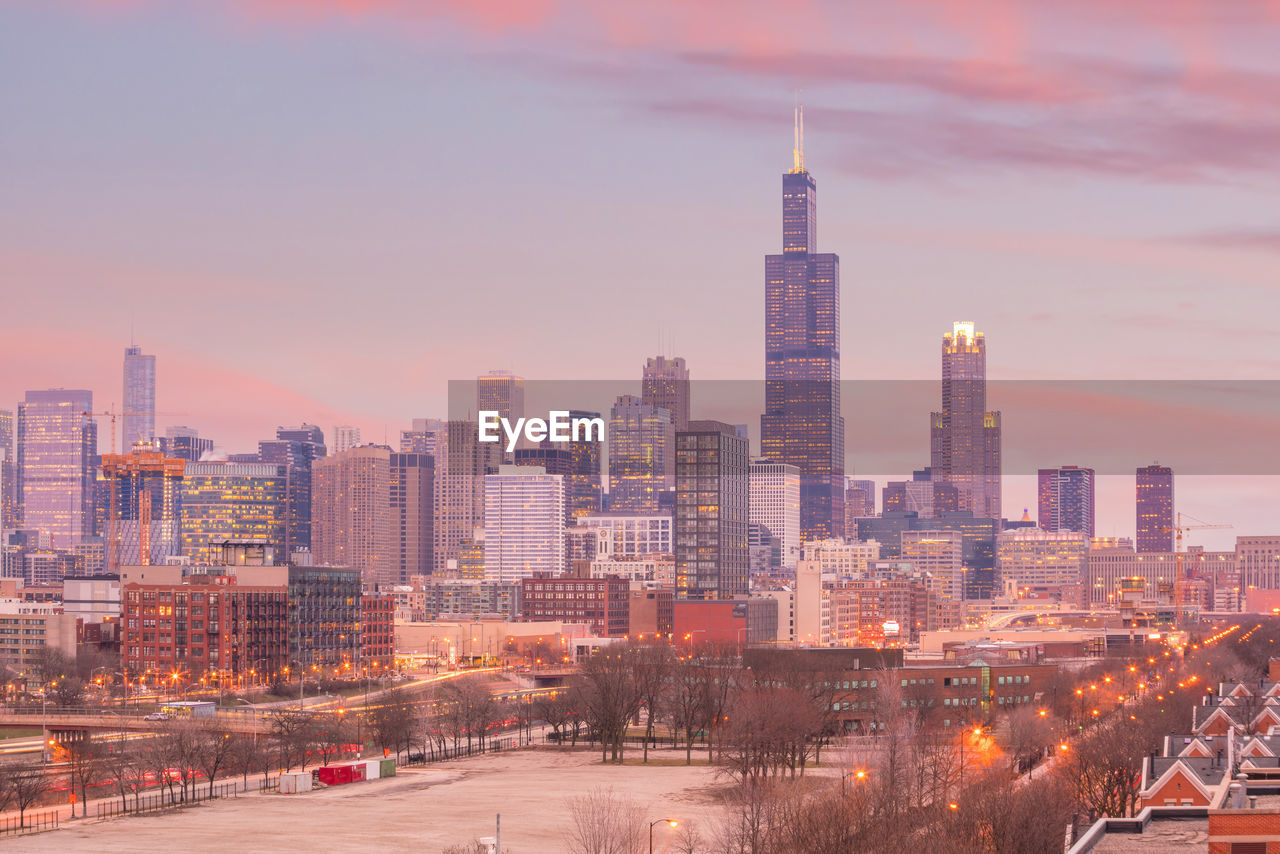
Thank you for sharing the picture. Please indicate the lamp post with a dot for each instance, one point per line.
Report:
(669, 822)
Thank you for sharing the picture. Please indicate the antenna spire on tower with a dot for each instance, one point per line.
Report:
(797, 153)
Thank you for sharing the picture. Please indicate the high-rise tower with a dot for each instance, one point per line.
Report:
(665, 385)
(1066, 499)
(57, 443)
(139, 420)
(802, 425)
(1154, 504)
(964, 437)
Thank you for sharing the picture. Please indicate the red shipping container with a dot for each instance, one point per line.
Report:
(335, 775)
(357, 773)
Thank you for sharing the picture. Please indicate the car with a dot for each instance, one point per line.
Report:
(156, 716)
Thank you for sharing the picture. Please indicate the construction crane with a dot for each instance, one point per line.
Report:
(113, 511)
(1181, 577)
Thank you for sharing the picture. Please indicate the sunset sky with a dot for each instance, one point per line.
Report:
(324, 211)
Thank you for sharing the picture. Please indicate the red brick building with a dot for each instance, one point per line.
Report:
(206, 627)
(601, 603)
(377, 631)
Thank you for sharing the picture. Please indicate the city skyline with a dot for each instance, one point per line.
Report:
(1177, 236)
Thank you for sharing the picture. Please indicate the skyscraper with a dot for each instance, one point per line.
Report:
(1154, 509)
(523, 523)
(143, 478)
(665, 385)
(641, 455)
(1066, 499)
(185, 443)
(712, 514)
(859, 501)
(57, 443)
(345, 437)
(351, 512)
(501, 392)
(802, 425)
(425, 437)
(462, 461)
(964, 436)
(139, 419)
(297, 448)
(8, 480)
(774, 504)
(412, 515)
(232, 501)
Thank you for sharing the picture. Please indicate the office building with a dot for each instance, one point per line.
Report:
(8, 474)
(425, 437)
(641, 455)
(711, 515)
(1032, 561)
(1258, 562)
(469, 599)
(146, 527)
(523, 523)
(802, 425)
(296, 448)
(324, 617)
(57, 447)
(938, 555)
(461, 463)
(1066, 499)
(138, 421)
(964, 436)
(1154, 509)
(501, 392)
(859, 501)
(630, 535)
(184, 443)
(412, 488)
(345, 437)
(665, 385)
(842, 559)
(223, 501)
(351, 513)
(774, 504)
(91, 598)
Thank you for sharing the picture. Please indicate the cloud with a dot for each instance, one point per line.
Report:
(1251, 239)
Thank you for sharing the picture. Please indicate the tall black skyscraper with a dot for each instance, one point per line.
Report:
(297, 448)
(964, 437)
(802, 424)
(1155, 509)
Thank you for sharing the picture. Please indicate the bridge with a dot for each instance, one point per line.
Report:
(106, 720)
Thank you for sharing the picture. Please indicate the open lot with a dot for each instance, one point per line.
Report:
(422, 809)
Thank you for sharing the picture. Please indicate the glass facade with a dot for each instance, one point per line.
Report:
(144, 477)
(641, 441)
(232, 501)
(138, 421)
(802, 425)
(57, 442)
(964, 437)
(324, 616)
(1154, 509)
(712, 517)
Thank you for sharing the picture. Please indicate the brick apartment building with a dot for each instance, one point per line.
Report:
(601, 603)
(223, 628)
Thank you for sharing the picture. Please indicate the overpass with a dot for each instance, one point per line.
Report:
(106, 720)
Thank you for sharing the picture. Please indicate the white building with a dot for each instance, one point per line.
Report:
(92, 598)
(774, 504)
(523, 523)
(1031, 558)
(812, 606)
(657, 568)
(633, 534)
(842, 559)
(786, 599)
(939, 554)
(345, 437)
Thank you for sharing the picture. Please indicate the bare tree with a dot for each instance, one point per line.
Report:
(654, 665)
(602, 822)
(686, 703)
(391, 722)
(22, 788)
(333, 733)
(294, 734)
(85, 762)
(214, 750)
(609, 696)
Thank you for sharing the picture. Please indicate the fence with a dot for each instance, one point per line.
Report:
(32, 822)
(166, 799)
(437, 753)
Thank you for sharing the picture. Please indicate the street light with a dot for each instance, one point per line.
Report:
(669, 822)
